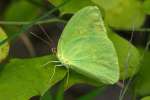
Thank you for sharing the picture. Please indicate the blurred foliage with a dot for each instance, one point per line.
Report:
(4, 49)
(72, 6)
(126, 15)
(119, 14)
(146, 6)
(146, 98)
(20, 11)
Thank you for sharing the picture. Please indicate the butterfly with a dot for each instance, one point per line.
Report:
(85, 48)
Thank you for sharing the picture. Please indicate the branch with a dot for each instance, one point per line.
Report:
(54, 20)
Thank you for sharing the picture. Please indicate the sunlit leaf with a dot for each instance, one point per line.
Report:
(71, 6)
(106, 4)
(4, 49)
(126, 15)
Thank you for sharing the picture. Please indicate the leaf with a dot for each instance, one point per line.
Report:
(142, 80)
(146, 98)
(126, 15)
(71, 6)
(20, 11)
(106, 4)
(22, 79)
(92, 95)
(119, 14)
(4, 49)
(60, 91)
(123, 48)
(47, 96)
(146, 6)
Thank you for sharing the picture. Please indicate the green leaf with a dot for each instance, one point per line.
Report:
(20, 11)
(123, 48)
(47, 96)
(142, 81)
(21, 79)
(71, 6)
(106, 4)
(119, 14)
(126, 15)
(146, 6)
(60, 91)
(92, 95)
(146, 98)
(4, 49)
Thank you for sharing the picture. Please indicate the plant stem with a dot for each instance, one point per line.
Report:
(140, 30)
(54, 20)
(143, 30)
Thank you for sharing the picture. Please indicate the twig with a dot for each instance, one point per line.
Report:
(140, 30)
(54, 20)
(28, 44)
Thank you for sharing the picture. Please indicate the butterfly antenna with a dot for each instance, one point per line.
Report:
(125, 88)
(46, 34)
(35, 35)
(48, 37)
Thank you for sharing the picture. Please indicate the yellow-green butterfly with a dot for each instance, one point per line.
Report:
(85, 48)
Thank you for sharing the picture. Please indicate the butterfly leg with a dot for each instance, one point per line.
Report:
(54, 70)
(55, 61)
(46, 64)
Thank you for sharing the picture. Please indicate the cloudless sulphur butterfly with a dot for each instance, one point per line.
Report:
(85, 48)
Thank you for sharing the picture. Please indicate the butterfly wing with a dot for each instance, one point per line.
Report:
(85, 47)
